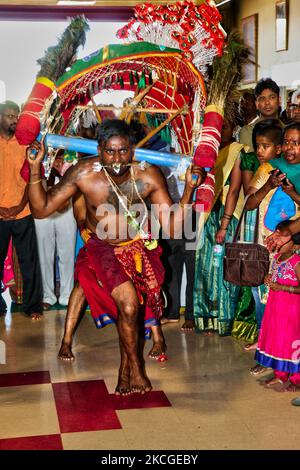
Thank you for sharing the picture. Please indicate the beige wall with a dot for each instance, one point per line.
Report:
(282, 66)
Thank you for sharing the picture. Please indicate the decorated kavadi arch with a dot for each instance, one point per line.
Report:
(164, 63)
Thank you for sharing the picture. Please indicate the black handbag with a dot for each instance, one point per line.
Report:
(246, 264)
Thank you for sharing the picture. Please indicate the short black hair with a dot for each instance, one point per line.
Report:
(115, 128)
(292, 126)
(270, 128)
(8, 104)
(284, 224)
(266, 84)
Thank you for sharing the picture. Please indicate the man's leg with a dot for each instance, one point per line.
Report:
(45, 234)
(128, 307)
(159, 345)
(65, 230)
(123, 387)
(175, 262)
(25, 242)
(5, 231)
(189, 261)
(75, 306)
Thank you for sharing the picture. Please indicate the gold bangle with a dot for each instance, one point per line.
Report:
(292, 289)
(35, 182)
(223, 228)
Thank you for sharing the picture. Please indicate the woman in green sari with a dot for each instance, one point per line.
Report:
(215, 299)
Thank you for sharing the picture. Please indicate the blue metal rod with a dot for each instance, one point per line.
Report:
(90, 147)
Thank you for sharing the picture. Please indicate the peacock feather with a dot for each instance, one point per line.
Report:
(58, 58)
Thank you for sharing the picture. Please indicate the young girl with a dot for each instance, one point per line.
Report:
(278, 344)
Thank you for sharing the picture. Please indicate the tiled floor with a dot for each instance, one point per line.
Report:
(203, 398)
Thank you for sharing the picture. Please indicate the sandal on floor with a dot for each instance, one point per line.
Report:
(258, 369)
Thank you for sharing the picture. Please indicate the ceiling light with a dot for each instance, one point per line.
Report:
(74, 2)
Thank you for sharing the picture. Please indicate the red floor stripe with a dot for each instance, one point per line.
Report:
(84, 406)
(47, 442)
(24, 378)
(136, 400)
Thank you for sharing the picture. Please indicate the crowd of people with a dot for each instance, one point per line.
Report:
(119, 271)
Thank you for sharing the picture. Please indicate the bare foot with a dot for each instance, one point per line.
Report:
(251, 347)
(270, 383)
(123, 386)
(36, 316)
(65, 352)
(139, 383)
(286, 387)
(188, 325)
(158, 349)
(208, 332)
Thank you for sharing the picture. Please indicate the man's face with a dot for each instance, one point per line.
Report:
(267, 103)
(8, 120)
(116, 155)
(291, 146)
(295, 110)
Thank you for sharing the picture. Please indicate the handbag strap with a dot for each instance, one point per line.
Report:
(238, 228)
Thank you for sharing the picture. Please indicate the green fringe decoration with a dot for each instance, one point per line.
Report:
(121, 81)
(142, 81)
(137, 78)
(58, 58)
(131, 80)
(166, 135)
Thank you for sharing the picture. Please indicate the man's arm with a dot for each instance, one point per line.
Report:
(171, 221)
(79, 209)
(44, 203)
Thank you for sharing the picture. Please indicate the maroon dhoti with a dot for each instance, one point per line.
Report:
(101, 267)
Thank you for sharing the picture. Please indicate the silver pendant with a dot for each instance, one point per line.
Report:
(116, 167)
(97, 167)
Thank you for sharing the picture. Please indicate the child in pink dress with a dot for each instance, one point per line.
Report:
(279, 339)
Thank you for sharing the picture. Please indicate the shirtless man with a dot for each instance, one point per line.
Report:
(77, 301)
(111, 179)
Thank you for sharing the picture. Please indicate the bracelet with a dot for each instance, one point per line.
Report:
(223, 228)
(35, 182)
(292, 289)
(226, 216)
